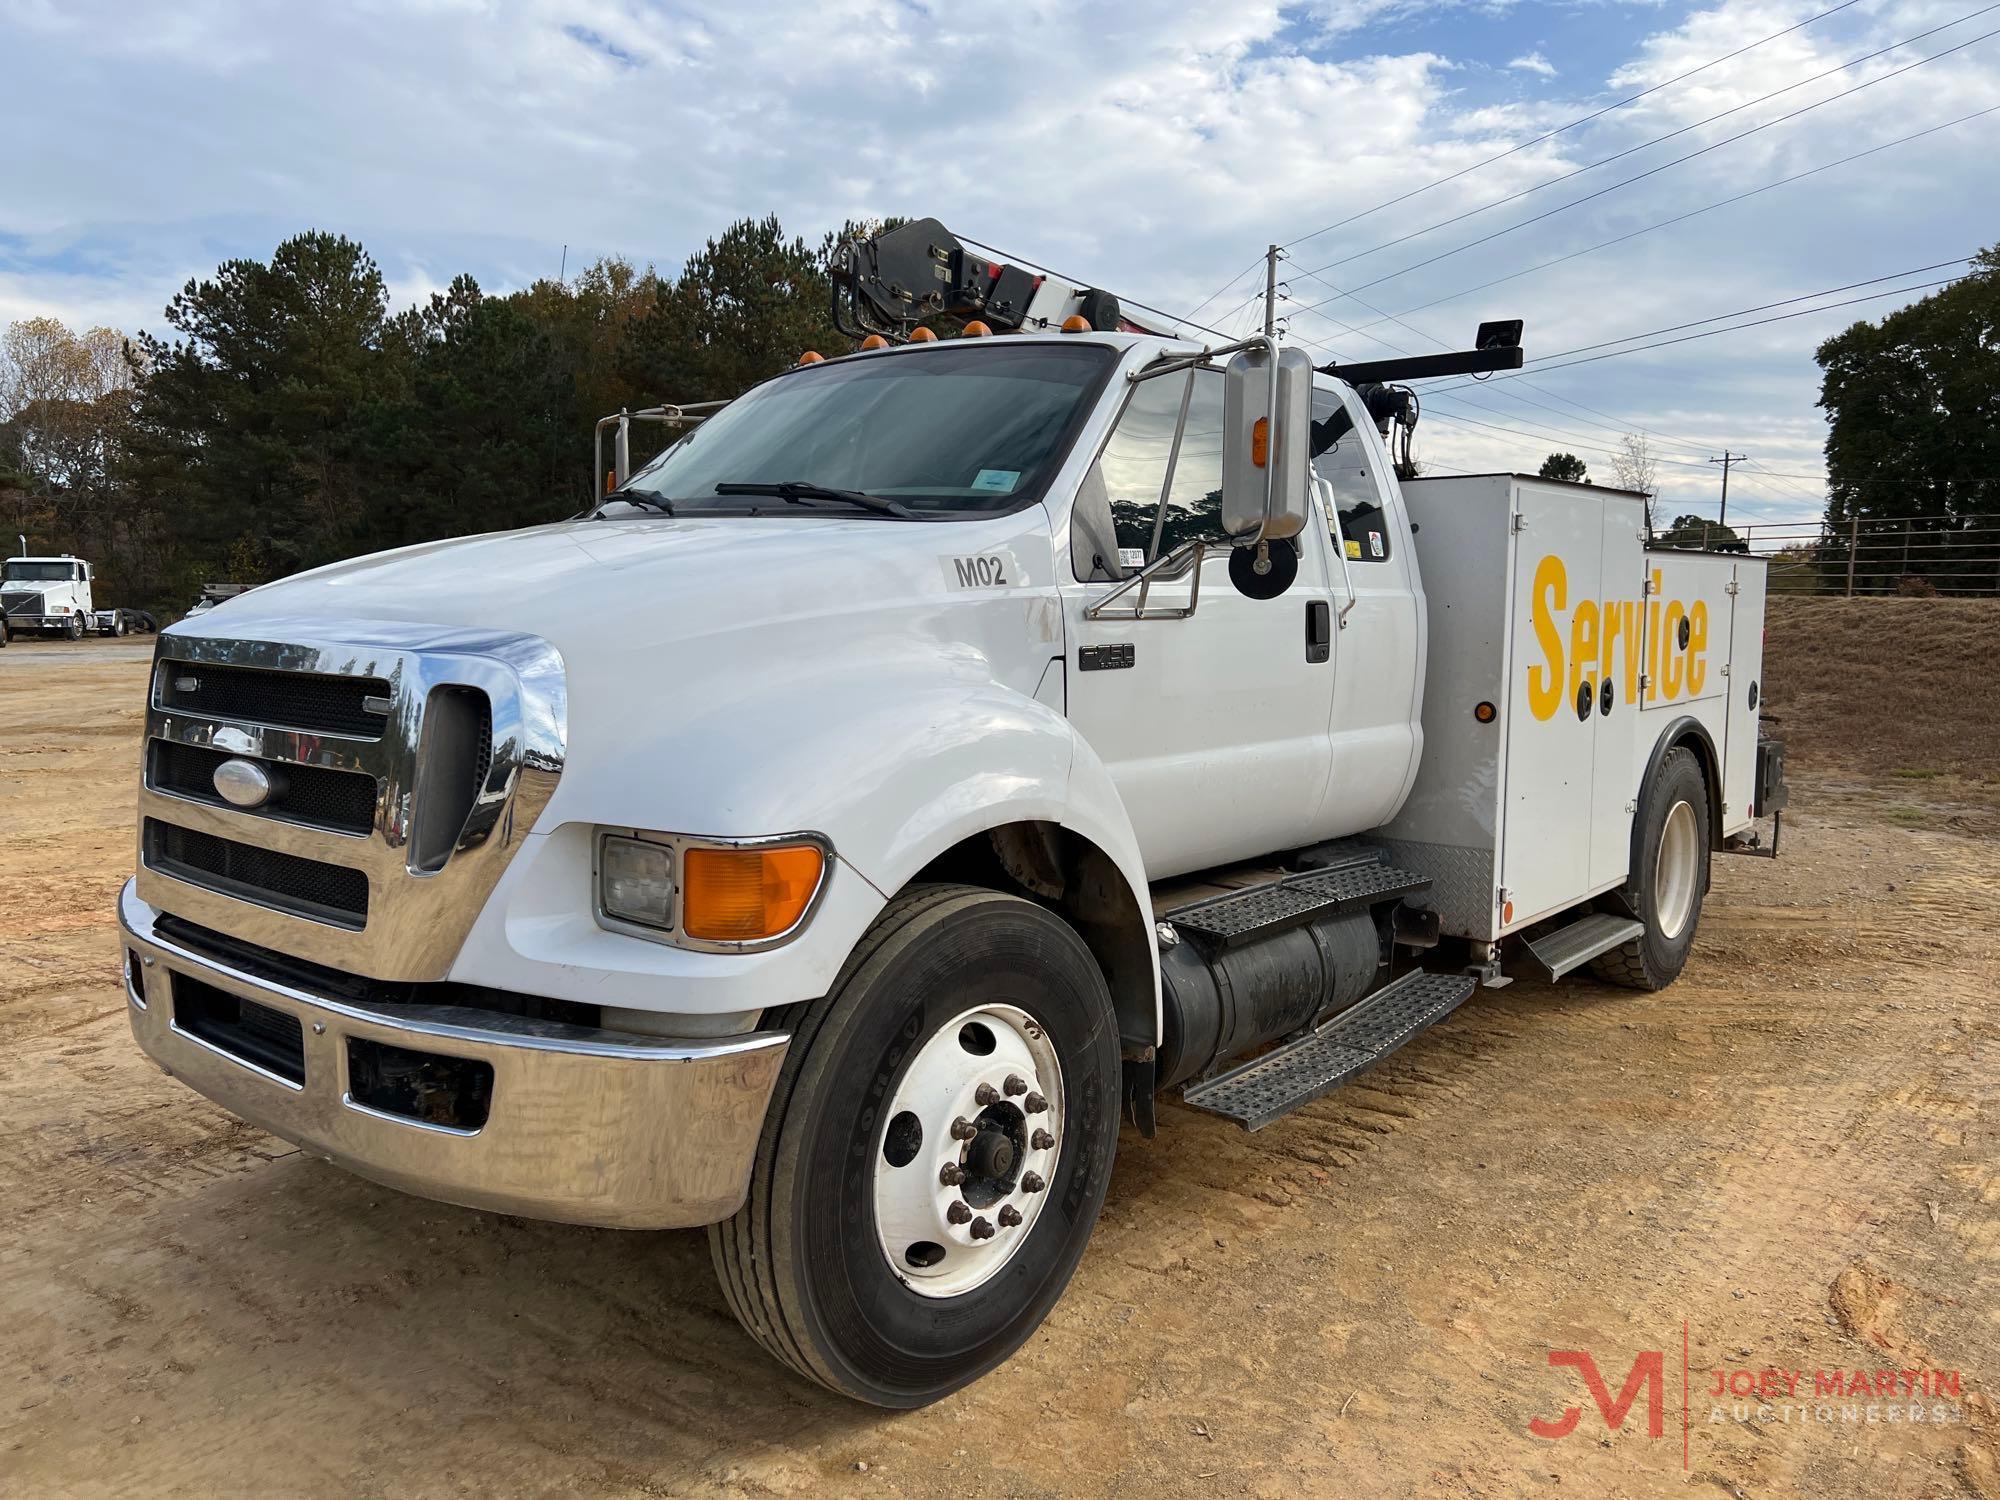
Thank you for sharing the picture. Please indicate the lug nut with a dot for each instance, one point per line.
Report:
(958, 1213)
(951, 1174)
(986, 1094)
(1041, 1140)
(1009, 1216)
(1031, 1182)
(981, 1230)
(963, 1129)
(1034, 1104)
(1015, 1084)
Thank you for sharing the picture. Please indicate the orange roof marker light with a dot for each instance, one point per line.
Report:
(975, 330)
(1076, 323)
(874, 341)
(923, 336)
(812, 357)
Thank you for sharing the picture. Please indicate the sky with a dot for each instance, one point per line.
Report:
(1152, 148)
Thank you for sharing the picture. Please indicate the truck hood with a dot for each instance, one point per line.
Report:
(712, 662)
(644, 580)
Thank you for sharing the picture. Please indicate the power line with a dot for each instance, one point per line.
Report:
(1694, 213)
(1561, 129)
(1670, 135)
(1667, 166)
(1253, 266)
(1805, 312)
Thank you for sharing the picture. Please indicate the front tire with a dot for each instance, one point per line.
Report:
(879, 1253)
(74, 627)
(1670, 878)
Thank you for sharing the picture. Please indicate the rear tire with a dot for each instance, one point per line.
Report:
(807, 1264)
(1669, 880)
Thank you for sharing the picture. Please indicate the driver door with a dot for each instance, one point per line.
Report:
(1214, 728)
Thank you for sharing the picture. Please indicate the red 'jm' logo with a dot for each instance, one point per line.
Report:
(1647, 1371)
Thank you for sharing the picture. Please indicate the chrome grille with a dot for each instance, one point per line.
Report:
(411, 760)
(305, 887)
(341, 800)
(285, 700)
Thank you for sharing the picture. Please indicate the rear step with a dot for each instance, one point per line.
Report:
(1225, 921)
(1267, 1088)
(1571, 947)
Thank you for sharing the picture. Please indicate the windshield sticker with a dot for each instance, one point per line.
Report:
(986, 570)
(999, 481)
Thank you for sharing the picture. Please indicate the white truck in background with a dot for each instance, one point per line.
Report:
(936, 755)
(51, 596)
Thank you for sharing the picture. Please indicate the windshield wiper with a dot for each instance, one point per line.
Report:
(798, 492)
(639, 497)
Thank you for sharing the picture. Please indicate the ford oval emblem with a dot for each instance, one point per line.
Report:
(242, 783)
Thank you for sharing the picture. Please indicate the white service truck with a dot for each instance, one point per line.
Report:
(935, 755)
(51, 596)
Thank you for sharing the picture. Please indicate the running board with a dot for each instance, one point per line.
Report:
(1262, 910)
(1571, 947)
(1267, 1088)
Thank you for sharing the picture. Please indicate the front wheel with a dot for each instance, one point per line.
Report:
(1671, 876)
(935, 1153)
(74, 626)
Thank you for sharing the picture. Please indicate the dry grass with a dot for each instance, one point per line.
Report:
(1895, 688)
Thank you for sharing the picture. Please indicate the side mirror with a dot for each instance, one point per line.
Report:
(1266, 446)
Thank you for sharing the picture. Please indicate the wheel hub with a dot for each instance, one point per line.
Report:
(968, 1147)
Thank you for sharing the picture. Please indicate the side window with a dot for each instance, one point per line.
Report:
(1134, 462)
(1357, 494)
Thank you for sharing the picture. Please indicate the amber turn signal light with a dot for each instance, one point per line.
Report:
(1260, 442)
(1485, 712)
(748, 895)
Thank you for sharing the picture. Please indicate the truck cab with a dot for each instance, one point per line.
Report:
(46, 596)
(937, 755)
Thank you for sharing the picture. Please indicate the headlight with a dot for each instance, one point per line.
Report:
(635, 881)
(704, 893)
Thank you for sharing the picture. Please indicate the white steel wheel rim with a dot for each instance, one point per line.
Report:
(1676, 870)
(946, 1222)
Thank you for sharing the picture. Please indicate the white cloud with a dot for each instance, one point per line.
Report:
(1533, 62)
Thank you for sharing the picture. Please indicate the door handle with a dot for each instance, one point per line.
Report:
(1319, 630)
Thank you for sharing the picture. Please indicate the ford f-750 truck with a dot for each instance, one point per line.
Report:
(937, 755)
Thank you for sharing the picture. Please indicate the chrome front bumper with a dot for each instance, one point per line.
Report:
(584, 1126)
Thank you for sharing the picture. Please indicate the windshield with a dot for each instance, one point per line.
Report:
(38, 572)
(958, 429)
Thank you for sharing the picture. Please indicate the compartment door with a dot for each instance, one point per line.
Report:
(1746, 690)
(1551, 739)
(1620, 641)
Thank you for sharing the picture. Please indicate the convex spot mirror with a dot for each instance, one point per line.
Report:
(1266, 462)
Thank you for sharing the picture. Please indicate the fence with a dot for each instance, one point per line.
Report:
(1914, 556)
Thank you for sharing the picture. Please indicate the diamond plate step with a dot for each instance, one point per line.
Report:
(1267, 1088)
(1225, 921)
(1574, 946)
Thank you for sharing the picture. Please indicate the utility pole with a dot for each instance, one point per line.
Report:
(1271, 289)
(1728, 458)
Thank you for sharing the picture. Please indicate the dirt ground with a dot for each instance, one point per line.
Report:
(1788, 1159)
